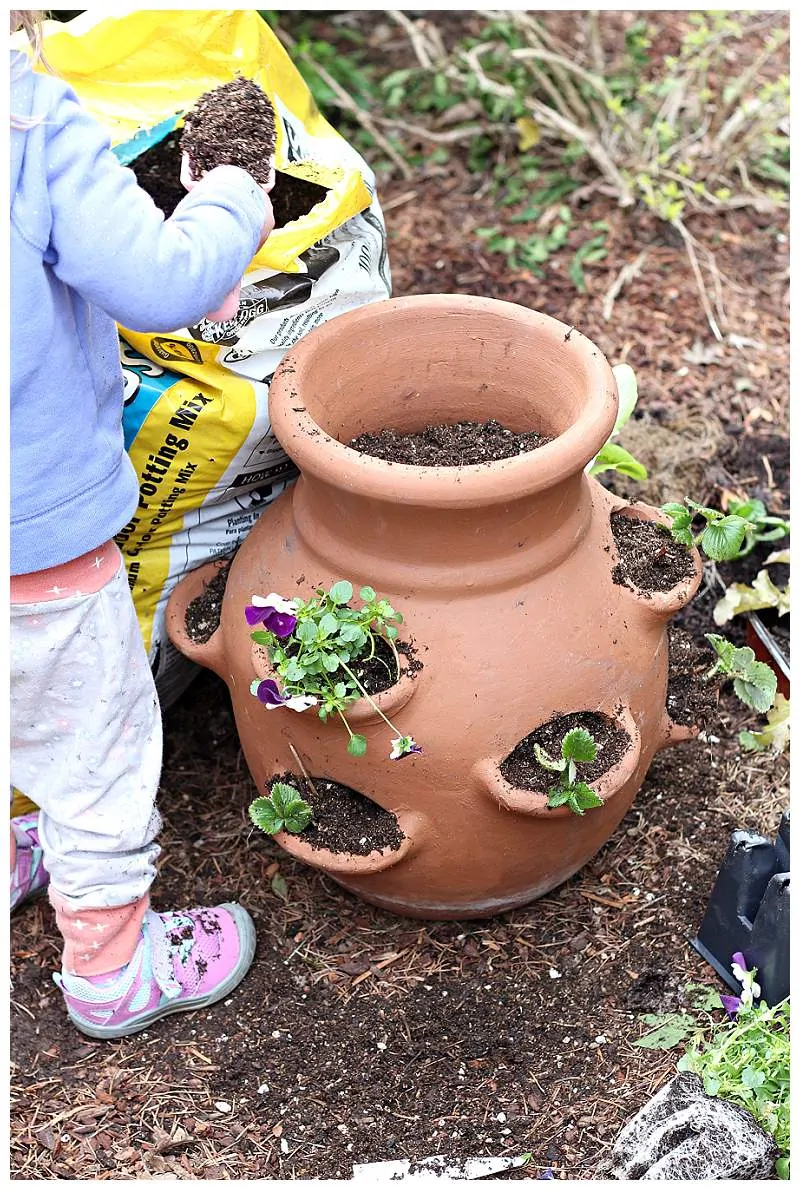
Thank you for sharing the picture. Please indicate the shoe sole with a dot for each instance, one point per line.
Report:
(247, 940)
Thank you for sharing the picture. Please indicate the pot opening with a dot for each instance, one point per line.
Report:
(650, 560)
(522, 769)
(345, 820)
(445, 359)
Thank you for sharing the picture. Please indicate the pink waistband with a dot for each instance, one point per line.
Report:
(82, 576)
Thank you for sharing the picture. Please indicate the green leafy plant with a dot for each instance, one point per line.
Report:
(775, 733)
(313, 645)
(761, 593)
(724, 536)
(577, 747)
(532, 252)
(746, 1061)
(743, 1058)
(754, 682)
(284, 809)
(612, 456)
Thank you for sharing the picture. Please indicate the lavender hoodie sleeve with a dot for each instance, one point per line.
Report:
(110, 242)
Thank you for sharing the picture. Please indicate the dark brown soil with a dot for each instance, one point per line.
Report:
(458, 445)
(204, 611)
(378, 672)
(232, 125)
(158, 172)
(292, 198)
(690, 701)
(345, 821)
(649, 558)
(522, 769)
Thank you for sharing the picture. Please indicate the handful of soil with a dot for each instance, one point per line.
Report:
(232, 125)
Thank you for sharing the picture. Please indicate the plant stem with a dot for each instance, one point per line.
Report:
(370, 700)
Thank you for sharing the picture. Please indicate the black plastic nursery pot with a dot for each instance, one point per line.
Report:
(748, 911)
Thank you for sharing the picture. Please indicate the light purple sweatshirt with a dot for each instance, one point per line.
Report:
(89, 248)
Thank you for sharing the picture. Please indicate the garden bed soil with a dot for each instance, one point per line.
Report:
(460, 444)
(232, 125)
(649, 558)
(359, 1036)
(345, 821)
(158, 172)
(522, 770)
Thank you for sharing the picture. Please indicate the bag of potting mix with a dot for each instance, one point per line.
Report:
(196, 416)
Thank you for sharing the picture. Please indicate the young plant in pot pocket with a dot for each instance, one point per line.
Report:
(578, 747)
(318, 649)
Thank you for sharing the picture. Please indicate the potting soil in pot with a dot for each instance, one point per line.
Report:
(203, 613)
(649, 557)
(345, 821)
(451, 445)
(523, 770)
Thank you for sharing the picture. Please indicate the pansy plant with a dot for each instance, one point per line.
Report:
(577, 747)
(313, 644)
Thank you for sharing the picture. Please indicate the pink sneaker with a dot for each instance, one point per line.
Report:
(187, 959)
(29, 877)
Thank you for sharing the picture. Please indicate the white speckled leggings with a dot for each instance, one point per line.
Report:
(86, 738)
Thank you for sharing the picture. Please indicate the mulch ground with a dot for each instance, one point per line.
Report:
(359, 1036)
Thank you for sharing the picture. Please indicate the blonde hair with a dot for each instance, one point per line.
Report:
(29, 21)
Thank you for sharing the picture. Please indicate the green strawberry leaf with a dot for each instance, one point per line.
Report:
(722, 540)
(758, 688)
(585, 797)
(297, 816)
(578, 745)
(265, 816)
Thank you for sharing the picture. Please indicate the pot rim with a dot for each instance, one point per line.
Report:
(317, 453)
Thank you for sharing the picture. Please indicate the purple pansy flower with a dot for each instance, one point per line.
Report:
(403, 745)
(274, 612)
(731, 1004)
(268, 692)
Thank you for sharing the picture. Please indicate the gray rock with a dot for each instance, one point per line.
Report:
(684, 1135)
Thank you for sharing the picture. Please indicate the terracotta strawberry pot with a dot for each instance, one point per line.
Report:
(502, 571)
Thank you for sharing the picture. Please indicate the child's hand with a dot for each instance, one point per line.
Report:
(230, 306)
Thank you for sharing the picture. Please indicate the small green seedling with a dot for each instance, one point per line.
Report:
(724, 536)
(284, 809)
(577, 747)
(754, 681)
